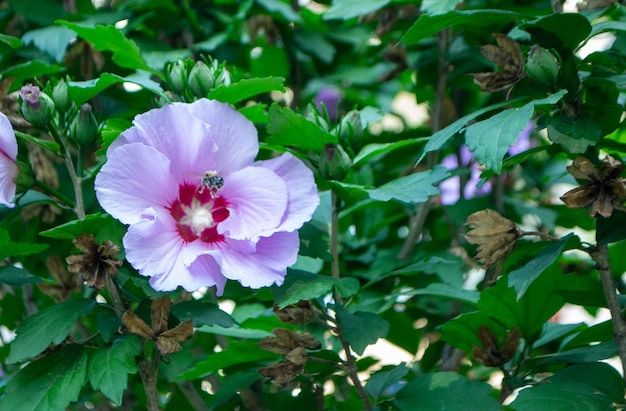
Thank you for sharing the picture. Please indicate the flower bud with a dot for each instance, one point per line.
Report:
(36, 107)
(61, 96)
(542, 66)
(351, 130)
(334, 164)
(176, 76)
(222, 76)
(201, 79)
(84, 127)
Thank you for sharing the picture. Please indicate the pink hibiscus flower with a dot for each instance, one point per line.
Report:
(200, 209)
(8, 166)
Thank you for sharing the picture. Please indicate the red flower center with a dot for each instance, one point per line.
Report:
(197, 214)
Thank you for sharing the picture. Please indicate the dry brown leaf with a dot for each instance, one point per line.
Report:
(300, 313)
(160, 313)
(297, 356)
(281, 372)
(506, 55)
(604, 189)
(137, 326)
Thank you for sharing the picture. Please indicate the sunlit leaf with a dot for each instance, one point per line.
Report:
(246, 88)
(347, 9)
(289, 128)
(414, 188)
(299, 285)
(569, 395)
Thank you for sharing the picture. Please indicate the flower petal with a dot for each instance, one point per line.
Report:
(302, 191)
(235, 136)
(257, 200)
(8, 173)
(154, 247)
(174, 131)
(8, 143)
(267, 266)
(125, 186)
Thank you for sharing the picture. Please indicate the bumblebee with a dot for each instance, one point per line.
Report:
(211, 181)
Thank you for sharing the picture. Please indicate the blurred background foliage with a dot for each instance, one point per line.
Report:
(382, 99)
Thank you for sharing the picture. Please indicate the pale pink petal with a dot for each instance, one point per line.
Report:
(267, 265)
(257, 200)
(235, 136)
(173, 131)
(8, 173)
(134, 178)
(8, 143)
(302, 191)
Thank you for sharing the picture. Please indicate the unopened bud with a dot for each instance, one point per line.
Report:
(36, 107)
(176, 76)
(542, 66)
(84, 127)
(351, 130)
(201, 79)
(335, 164)
(61, 96)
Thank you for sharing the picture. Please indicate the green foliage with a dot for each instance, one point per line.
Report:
(376, 98)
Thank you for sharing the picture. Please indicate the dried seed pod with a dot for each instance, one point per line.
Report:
(95, 262)
(491, 354)
(604, 188)
(495, 236)
(508, 57)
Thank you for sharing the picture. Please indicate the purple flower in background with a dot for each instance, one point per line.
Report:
(523, 142)
(8, 166)
(450, 188)
(328, 97)
(200, 209)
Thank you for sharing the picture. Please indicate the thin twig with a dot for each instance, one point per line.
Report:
(352, 373)
(334, 242)
(193, 396)
(600, 255)
(149, 371)
(77, 182)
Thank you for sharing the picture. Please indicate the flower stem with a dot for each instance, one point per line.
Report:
(54, 192)
(601, 256)
(149, 371)
(334, 241)
(77, 182)
(539, 234)
(352, 373)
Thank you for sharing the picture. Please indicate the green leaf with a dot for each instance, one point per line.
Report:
(11, 41)
(347, 9)
(602, 376)
(448, 291)
(246, 88)
(92, 223)
(235, 331)
(445, 391)
(237, 353)
(48, 145)
(427, 26)
(202, 314)
(382, 380)
(50, 383)
(612, 229)
(440, 138)
(82, 91)
(14, 249)
(48, 326)
(110, 365)
(584, 354)
(571, 396)
(361, 328)
(575, 135)
(548, 30)
(29, 70)
(232, 385)
(315, 43)
(41, 12)
(52, 40)
(283, 9)
(375, 149)
(414, 188)
(108, 38)
(17, 276)
(434, 7)
(490, 139)
(521, 278)
(288, 128)
(347, 286)
(300, 285)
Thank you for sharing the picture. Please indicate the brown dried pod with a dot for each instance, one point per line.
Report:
(604, 189)
(95, 262)
(496, 236)
(281, 372)
(169, 341)
(508, 57)
(490, 354)
(299, 313)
